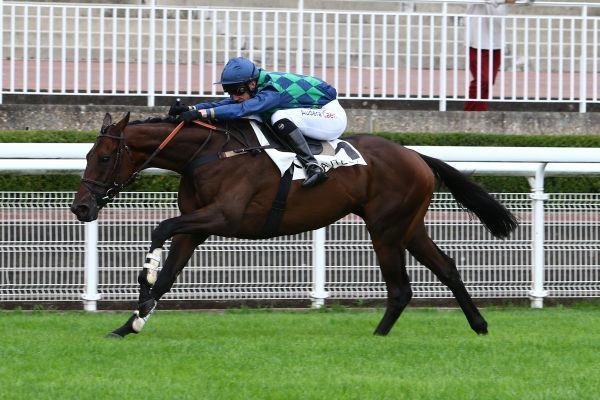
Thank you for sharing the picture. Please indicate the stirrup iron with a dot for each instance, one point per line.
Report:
(315, 177)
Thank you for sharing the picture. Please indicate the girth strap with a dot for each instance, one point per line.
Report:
(275, 216)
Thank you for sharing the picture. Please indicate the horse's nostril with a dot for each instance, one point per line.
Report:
(79, 209)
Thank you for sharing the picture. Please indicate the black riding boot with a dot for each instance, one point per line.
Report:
(314, 172)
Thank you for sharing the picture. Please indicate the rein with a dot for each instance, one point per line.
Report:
(103, 198)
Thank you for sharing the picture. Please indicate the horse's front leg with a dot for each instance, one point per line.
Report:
(151, 290)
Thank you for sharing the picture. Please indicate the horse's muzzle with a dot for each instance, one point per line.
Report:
(84, 212)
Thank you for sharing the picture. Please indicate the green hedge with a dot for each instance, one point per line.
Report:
(170, 182)
(47, 137)
(470, 139)
(512, 184)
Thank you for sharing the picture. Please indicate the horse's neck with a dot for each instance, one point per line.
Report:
(146, 139)
(188, 143)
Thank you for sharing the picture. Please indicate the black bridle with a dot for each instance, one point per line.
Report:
(108, 191)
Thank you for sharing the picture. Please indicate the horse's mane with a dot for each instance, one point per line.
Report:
(173, 120)
(154, 120)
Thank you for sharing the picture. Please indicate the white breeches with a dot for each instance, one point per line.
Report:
(326, 123)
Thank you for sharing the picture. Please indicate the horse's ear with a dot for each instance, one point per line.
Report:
(107, 121)
(123, 122)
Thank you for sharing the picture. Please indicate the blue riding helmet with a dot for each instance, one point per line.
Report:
(238, 70)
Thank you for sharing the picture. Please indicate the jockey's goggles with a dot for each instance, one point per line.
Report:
(236, 90)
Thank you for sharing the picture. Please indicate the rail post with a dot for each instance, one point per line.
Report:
(319, 294)
(443, 62)
(300, 38)
(583, 61)
(1, 41)
(537, 292)
(152, 55)
(91, 295)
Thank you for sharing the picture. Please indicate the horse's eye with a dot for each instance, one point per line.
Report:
(104, 159)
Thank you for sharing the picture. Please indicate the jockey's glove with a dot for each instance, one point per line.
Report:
(178, 108)
(189, 116)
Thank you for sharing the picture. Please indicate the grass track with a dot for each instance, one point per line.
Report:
(552, 353)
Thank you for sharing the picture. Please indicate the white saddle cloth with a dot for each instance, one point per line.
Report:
(330, 157)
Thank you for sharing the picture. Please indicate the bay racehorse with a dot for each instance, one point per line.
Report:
(232, 196)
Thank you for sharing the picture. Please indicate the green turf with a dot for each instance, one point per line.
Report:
(552, 353)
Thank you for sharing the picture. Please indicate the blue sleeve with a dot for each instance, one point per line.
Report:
(213, 104)
(264, 100)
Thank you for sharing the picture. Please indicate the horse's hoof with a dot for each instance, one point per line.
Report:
(113, 335)
(480, 326)
(379, 334)
(124, 330)
(481, 330)
(382, 331)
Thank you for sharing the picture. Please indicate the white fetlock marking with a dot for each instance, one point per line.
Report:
(138, 323)
(152, 265)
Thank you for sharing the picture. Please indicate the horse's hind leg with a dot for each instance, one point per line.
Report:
(392, 263)
(444, 267)
(182, 248)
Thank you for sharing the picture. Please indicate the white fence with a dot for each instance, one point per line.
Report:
(415, 53)
(46, 255)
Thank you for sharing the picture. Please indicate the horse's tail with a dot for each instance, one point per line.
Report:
(494, 216)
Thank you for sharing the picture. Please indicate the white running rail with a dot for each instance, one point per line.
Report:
(48, 256)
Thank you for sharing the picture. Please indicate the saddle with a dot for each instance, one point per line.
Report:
(317, 147)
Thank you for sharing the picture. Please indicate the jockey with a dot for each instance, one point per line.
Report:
(295, 105)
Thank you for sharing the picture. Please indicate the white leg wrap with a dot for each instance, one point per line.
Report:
(152, 264)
